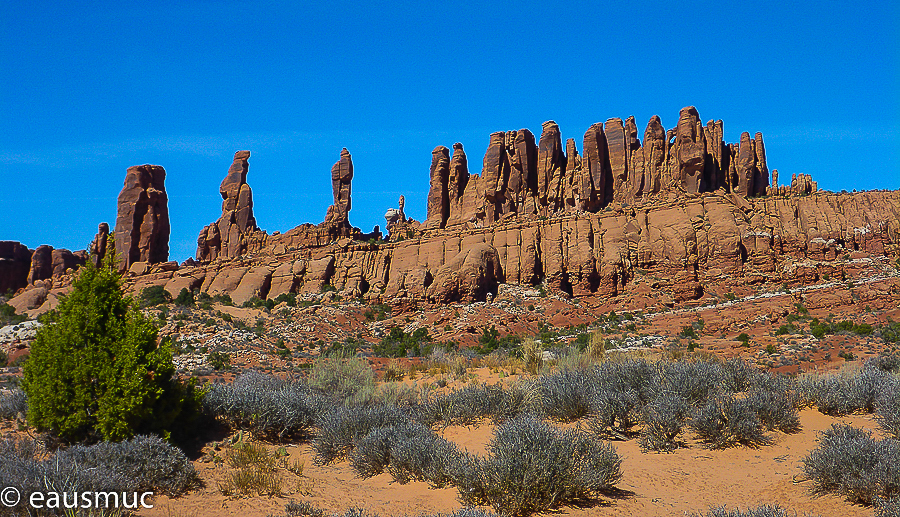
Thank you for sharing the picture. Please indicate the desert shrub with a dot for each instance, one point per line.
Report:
(400, 344)
(775, 409)
(408, 451)
(885, 362)
(116, 381)
(138, 465)
(726, 421)
(265, 405)
(759, 511)
(147, 462)
(663, 420)
(302, 509)
(289, 298)
(12, 403)
(844, 392)
(738, 375)
(490, 340)
(568, 395)
(390, 393)
(693, 381)
(8, 315)
(887, 507)
(393, 372)
(255, 471)
(185, 298)
(341, 378)
(219, 360)
(472, 403)
(614, 413)
(342, 427)
(532, 353)
(155, 295)
(850, 462)
(532, 466)
(887, 407)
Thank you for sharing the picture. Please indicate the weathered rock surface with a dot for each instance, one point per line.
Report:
(142, 225)
(341, 177)
(97, 249)
(15, 264)
(232, 235)
(438, 208)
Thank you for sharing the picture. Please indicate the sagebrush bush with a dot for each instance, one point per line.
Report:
(148, 462)
(759, 511)
(850, 462)
(12, 403)
(568, 395)
(342, 427)
(887, 508)
(474, 402)
(663, 420)
(887, 407)
(532, 466)
(144, 463)
(727, 421)
(265, 405)
(409, 452)
(775, 409)
(844, 392)
(693, 381)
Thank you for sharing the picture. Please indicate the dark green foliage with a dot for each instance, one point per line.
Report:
(8, 315)
(95, 370)
(267, 406)
(185, 298)
(155, 295)
(850, 462)
(862, 329)
(289, 298)
(400, 344)
(224, 299)
(377, 312)
(4, 359)
(532, 467)
(490, 340)
(689, 332)
(743, 338)
(219, 360)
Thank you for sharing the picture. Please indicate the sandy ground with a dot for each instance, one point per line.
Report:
(689, 480)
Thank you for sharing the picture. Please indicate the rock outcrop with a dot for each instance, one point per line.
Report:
(341, 178)
(15, 264)
(97, 249)
(142, 225)
(229, 236)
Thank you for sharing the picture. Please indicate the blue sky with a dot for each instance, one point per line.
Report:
(91, 88)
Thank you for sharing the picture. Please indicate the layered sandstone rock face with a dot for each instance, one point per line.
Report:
(228, 237)
(142, 225)
(682, 206)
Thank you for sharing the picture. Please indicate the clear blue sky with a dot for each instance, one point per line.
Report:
(91, 88)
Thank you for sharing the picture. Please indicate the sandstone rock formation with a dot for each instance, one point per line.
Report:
(341, 176)
(97, 249)
(228, 237)
(683, 207)
(15, 263)
(142, 225)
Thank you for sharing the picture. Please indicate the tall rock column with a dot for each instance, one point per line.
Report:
(341, 176)
(225, 237)
(654, 155)
(573, 169)
(97, 249)
(761, 174)
(142, 225)
(492, 184)
(438, 193)
(690, 151)
(551, 167)
(618, 159)
(713, 173)
(526, 156)
(745, 165)
(595, 168)
(456, 183)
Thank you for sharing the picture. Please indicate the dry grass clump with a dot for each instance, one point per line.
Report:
(255, 471)
(12, 403)
(394, 372)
